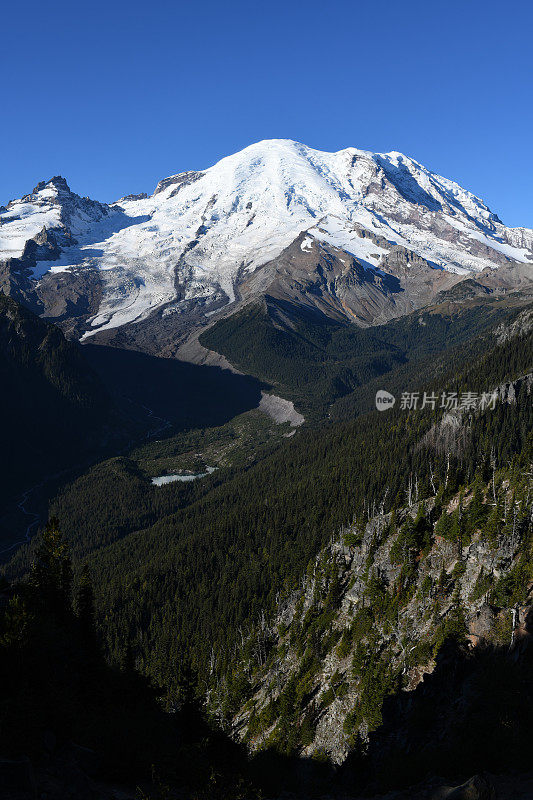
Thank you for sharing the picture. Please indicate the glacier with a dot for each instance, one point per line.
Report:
(200, 233)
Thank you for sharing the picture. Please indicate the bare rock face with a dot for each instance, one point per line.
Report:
(450, 433)
(519, 327)
(323, 278)
(69, 298)
(177, 181)
(333, 680)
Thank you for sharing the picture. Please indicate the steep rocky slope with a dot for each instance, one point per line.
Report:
(383, 659)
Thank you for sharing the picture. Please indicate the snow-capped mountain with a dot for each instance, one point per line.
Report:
(51, 206)
(206, 239)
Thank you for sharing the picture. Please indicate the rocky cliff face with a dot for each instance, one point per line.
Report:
(375, 614)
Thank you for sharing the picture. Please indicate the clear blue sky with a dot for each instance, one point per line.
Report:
(115, 95)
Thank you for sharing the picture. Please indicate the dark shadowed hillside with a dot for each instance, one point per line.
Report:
(54, 408)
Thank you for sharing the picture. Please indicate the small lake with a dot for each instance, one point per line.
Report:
(191, 476)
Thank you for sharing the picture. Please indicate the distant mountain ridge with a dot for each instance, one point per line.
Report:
(356, 235)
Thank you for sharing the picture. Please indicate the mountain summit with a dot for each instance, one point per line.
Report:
(373, 235)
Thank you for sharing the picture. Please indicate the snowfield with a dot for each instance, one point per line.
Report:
(202, 232)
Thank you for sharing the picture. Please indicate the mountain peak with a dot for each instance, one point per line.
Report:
(209, 231)
(57, 182)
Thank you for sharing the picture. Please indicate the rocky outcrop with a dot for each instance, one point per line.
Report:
(521, 326)
(180, 180)
(373, 612)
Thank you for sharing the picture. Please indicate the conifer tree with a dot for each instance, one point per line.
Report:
(51, 572)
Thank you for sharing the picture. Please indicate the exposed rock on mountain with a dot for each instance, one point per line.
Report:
(359, 236)
(410, 632)
(321, 277)
(521, 326)
(372, 615)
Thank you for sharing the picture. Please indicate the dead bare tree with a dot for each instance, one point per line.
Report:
(447, 470)
(410, 491)
(382, 506)
(514, 625)
(432, 478)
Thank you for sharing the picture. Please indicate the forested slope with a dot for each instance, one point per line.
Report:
(54, 408)
(187, 583)
(75, 727)
(317, 362)
(405, 651)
